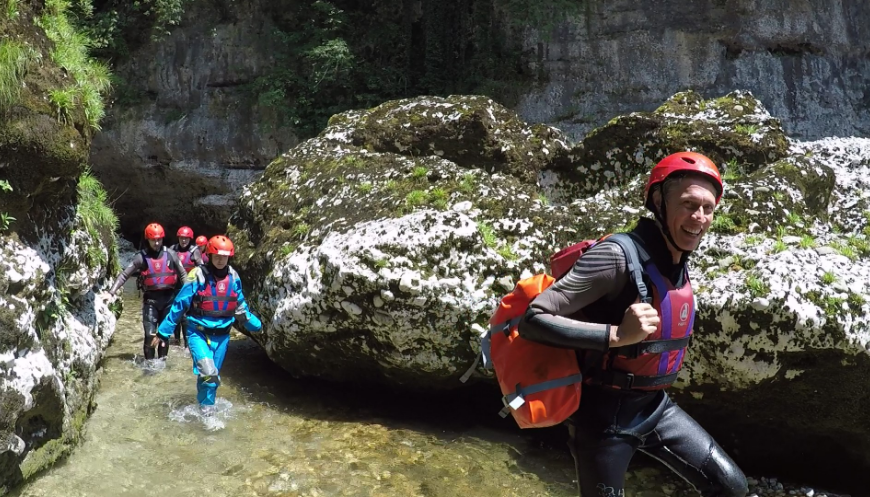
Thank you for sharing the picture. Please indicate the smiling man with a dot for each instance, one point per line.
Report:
(629, 316)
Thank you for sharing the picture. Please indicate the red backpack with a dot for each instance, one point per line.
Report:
(540, 384)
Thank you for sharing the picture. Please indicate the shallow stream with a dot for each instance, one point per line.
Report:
(274, 435)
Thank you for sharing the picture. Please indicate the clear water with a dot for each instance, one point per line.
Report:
(273, 435)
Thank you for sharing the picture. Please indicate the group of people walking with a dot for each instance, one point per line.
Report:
(629, 348)
(189, 291)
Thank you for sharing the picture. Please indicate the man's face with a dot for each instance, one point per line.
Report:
(690, 206)
(219, 261)
(183, 241)
(155, 243)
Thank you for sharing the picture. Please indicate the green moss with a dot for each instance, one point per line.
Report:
(53, 450)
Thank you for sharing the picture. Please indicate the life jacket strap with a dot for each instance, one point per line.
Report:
(652, 347)
(627, 381)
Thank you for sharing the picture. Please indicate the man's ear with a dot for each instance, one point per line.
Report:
(657, 199)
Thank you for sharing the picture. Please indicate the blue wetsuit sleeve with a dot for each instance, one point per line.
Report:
(179, 307)
(243, 314)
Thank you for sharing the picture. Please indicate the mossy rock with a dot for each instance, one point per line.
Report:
(734, 128)
(470, 131)
(315, 190)
(784, 197)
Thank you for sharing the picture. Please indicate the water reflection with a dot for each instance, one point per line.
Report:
(272, 435)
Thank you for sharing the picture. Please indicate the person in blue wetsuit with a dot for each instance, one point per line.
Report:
(213, 300)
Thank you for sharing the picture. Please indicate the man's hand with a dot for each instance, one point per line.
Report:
(156, 341)
(640, 321)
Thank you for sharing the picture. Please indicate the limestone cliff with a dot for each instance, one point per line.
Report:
(57, 239)
(806, 60)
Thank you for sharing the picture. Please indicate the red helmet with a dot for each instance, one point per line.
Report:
(185, 231)
(220, 245)
(687, 162)
(153, 231)
(201, 241)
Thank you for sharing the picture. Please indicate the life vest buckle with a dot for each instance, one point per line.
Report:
(629, 381)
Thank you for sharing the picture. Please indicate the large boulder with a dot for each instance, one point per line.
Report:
(57, 241)
(372, 260)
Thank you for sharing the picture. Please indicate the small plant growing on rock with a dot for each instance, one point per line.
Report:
(543, 199)
(488, 234)
(723, 224)
(507, 252)
(416, 198)
(364, 187)
(746, 129)
(756, 286)
(753, 240)
(439, 198)
(807, 242)
(419, 172)
(779, 246)
(467, 183)
(828, 277)
(301, 229)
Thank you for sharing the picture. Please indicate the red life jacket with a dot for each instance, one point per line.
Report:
(158, 275)
(654, 363)
(186, 259)
(218, 298)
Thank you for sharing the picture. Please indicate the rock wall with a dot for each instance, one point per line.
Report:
(806, 60)
(57, 244)
(179, 151)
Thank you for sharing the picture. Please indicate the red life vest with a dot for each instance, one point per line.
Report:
(218, 298)
(653, 363)
(158, 275)
(186, 259)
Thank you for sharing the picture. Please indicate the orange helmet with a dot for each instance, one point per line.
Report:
(690, 162)
(220, 245)
(185, 231)
(153, 231)
(201, 241)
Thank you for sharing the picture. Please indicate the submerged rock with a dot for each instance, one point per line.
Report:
(377, 251)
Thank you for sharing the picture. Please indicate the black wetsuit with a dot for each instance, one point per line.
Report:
(611, 424)
(195, 260)
(155, 303)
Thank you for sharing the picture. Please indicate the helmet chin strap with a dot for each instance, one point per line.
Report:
(661, 215)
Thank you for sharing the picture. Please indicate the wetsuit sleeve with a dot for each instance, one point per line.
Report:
(600, 274)
(137, 265)
(180, 305)
(244, 317)
(196, 256)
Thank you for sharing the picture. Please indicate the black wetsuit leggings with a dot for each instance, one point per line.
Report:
(155, 307)
(611, 425)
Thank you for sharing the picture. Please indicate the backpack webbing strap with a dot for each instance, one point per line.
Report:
(516, 399)
(485, 346)
(634, 264)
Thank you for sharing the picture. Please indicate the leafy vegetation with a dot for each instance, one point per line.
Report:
(70, 52)
(97, 217)
(335, 55)
(15, 59)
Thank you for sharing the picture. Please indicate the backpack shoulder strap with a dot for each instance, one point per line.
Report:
(634, 263)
